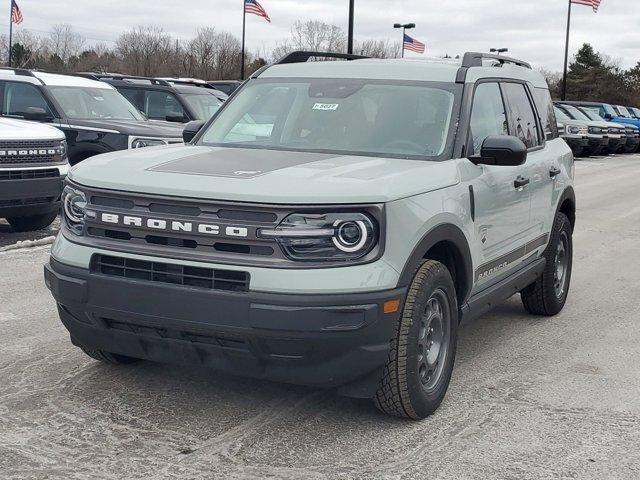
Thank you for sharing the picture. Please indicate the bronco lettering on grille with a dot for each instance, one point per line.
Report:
(174, 226)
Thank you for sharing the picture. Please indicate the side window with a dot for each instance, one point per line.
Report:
(522, 119)
(487, 115)
(160, 105)
(19, 98)
(546, 112)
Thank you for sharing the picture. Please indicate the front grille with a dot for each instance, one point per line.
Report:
(26, 152)
(28, 174)
(190, 244)
(27, 144)
(27, 202)
(174, 274)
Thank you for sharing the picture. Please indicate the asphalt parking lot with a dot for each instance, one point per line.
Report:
(530, 398)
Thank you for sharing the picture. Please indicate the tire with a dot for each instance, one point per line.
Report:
(548, 294)
(413, 385)
(110, 358)
(33, 222)
(596, 152)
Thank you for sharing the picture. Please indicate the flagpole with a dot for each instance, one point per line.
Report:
(244, 23)
(10, 29)
(566, 55)
(350, 34)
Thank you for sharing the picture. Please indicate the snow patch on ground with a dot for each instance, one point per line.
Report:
(28, 244)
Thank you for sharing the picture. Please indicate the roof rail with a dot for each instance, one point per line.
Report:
(120, 76)
(303, 56)
(24, 72)
(474, 59)
(194, 82)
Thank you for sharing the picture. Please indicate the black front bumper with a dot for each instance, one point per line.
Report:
(25, 197)
(318, 340)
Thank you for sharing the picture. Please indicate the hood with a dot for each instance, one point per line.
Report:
(263, 176)
(134, 127)
(11, 129)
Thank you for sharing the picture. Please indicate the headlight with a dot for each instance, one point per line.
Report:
(595, 130)
(62, 149)
(147, 142)
(74, 204)
(573, 130)
(325, 237)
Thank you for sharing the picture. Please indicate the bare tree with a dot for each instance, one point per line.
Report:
(378, 48)
(145, 50)
(64, 42)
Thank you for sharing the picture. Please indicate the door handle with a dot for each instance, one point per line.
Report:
(521, 182)
(554, 172)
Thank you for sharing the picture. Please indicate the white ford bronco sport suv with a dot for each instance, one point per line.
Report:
(330, 226)
(33, 165)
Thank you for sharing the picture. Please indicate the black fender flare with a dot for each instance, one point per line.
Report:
(464, 262)
(568, 194)
(82, 149)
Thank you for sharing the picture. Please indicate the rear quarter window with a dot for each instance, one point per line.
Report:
(544, 105)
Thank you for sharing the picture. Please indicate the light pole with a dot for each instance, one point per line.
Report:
(404, 27)
(499, 50)
(350, 35)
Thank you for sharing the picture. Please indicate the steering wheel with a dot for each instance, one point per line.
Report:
(406, 146)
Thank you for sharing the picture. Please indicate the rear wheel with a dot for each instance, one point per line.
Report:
(548, 294)
(422, 353)
(33, 222)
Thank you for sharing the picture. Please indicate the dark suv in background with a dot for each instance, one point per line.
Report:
(226, 86)
(160, 99)
(94, 117)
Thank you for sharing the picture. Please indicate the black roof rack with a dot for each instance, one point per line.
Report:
(474, 59)
(120, 76)
(303, 56)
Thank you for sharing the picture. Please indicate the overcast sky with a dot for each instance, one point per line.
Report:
(533, 30)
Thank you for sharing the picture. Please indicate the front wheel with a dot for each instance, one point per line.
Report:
(107, 357)
(33, 222)
(548, 294)
(422, 353)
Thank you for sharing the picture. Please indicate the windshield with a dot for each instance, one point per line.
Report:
(592, 113)
(635, 111)
(203, 105)
(84, 103)
(623, 112)
(560, 115)
(575, 113)
(359, 117)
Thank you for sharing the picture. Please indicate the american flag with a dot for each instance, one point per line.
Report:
(413, 44)
(589, 3)
(252, 6)
(16, 14)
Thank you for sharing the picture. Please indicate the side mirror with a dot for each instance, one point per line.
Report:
(191, 129)
(501, 150)
(37, 114)
(608, 116)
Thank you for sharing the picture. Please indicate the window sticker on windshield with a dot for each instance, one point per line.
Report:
(326, 106)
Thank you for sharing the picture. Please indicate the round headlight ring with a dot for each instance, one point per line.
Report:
(74, 205)
(343, 241)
